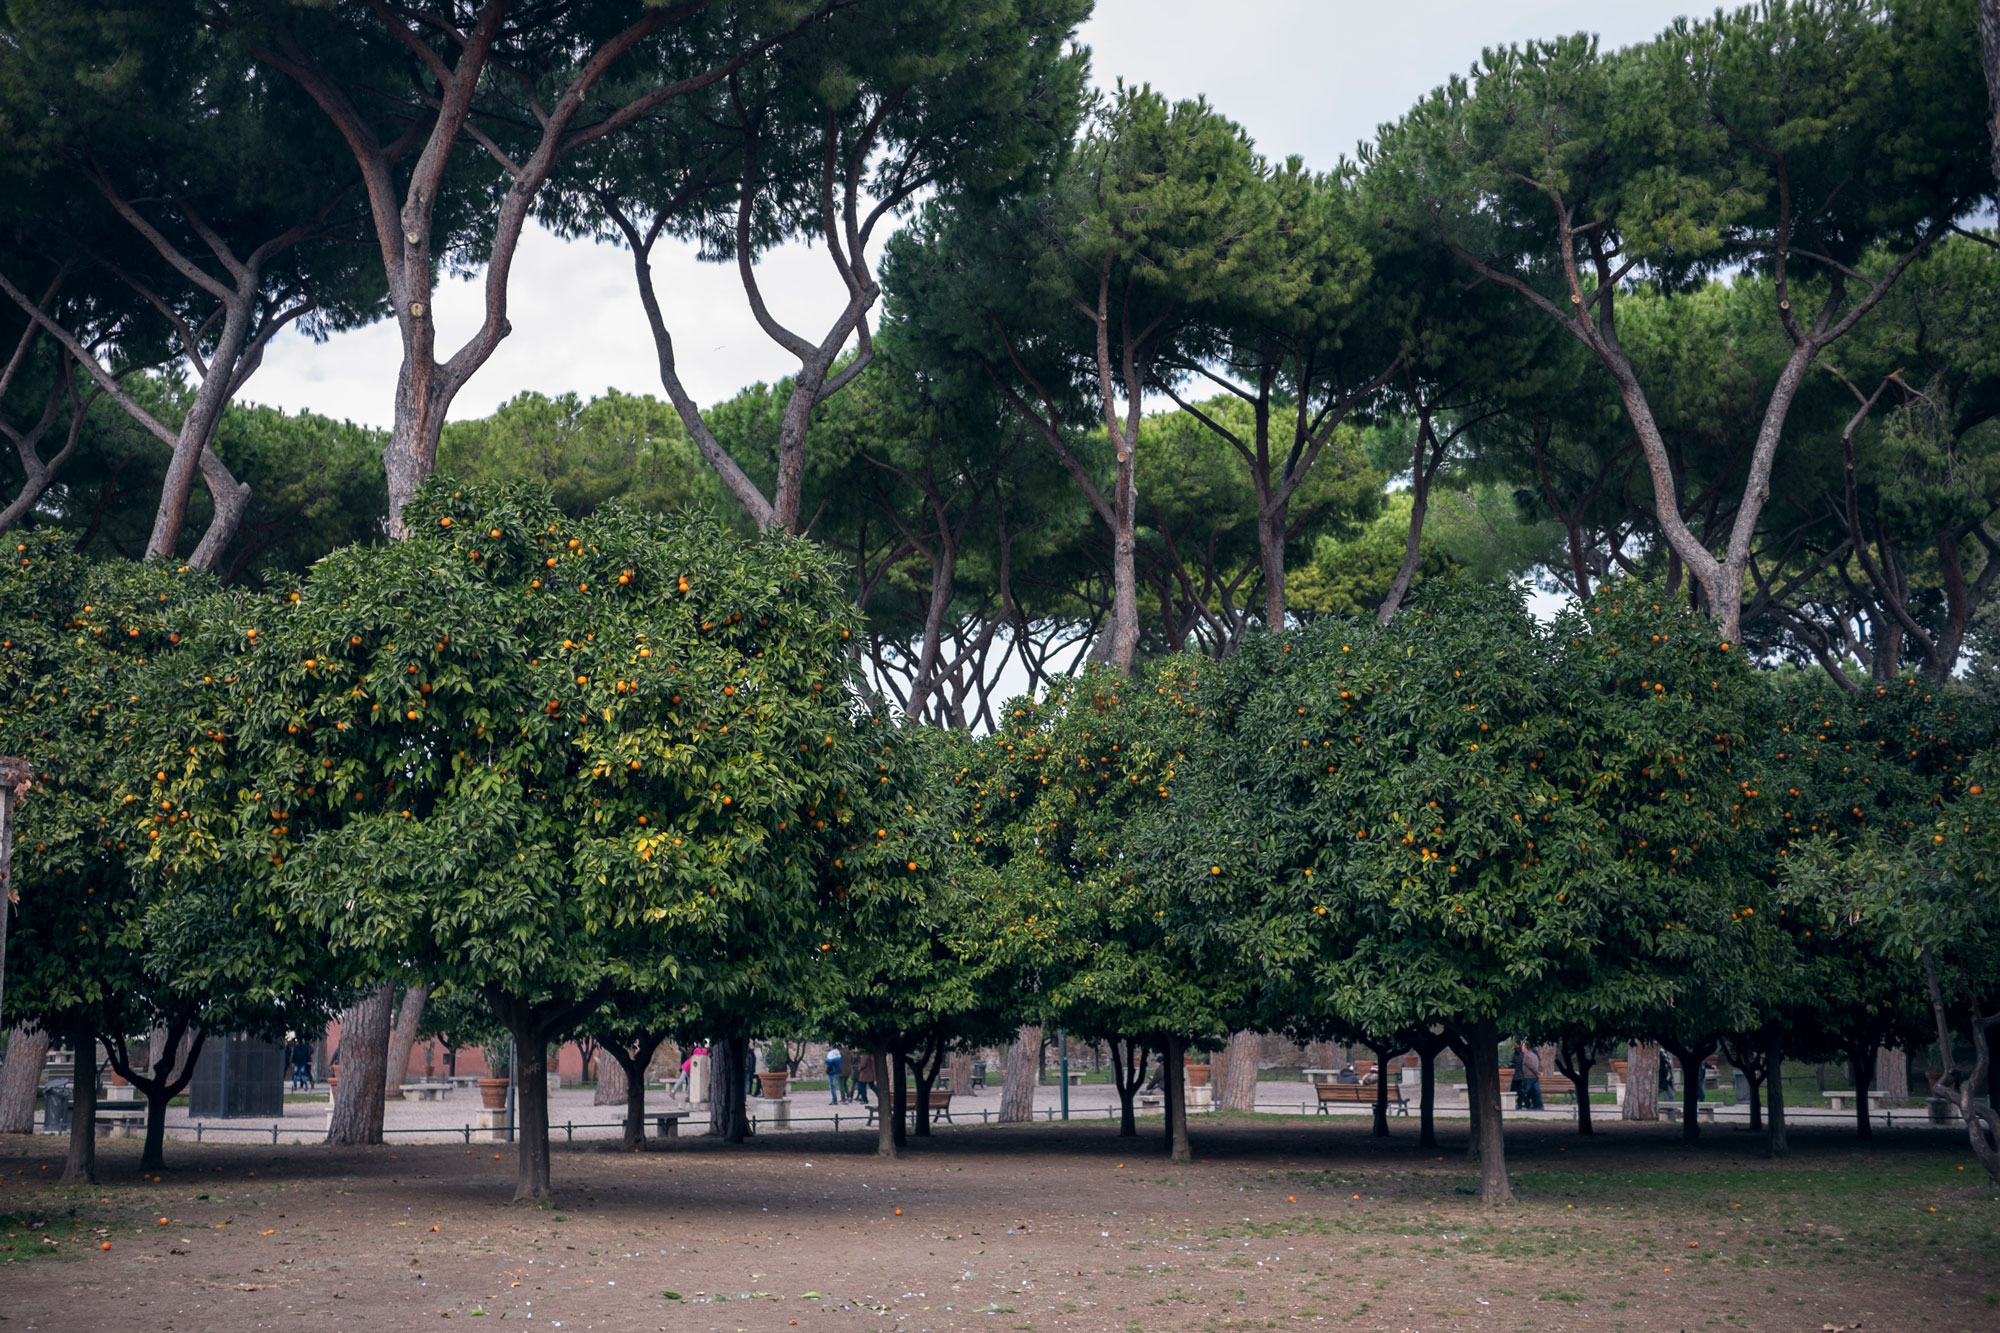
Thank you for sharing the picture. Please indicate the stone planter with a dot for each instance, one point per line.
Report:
(772, 1086)
(493, 1093)
(1197, 1076)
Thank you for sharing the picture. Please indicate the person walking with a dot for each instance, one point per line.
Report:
(864, 1077)
(684, 1084)
(1529, 1080)
(302, 1054)
(833, 1074)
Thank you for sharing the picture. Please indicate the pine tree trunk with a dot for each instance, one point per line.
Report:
(1177, 1135)
(80, 1166)
(1642, 1082)
(1017, 1091)
(21, 1079)
(364, 1068)
(958, 1068)
(1892, 1074)
(1485, 1076)
(1236, 1071)
(610, 1080)
(403, 1037)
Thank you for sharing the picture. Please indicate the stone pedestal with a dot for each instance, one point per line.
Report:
(489, 1124)
(1200, 1099)
(772, 1112)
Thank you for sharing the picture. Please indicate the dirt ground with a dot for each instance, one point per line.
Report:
(1278, 1225)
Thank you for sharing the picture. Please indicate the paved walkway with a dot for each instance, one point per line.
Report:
(573, 1116)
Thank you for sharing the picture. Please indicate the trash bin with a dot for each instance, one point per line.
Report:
(978, 1073)
(55, 1108)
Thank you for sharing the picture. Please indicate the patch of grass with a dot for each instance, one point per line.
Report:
(27, 1237)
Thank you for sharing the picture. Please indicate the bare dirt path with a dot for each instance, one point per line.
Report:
(1280, 1225)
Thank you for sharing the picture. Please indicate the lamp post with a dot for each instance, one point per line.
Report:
(1062, 1040)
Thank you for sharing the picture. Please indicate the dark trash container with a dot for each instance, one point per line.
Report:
(56, 1108)
(978, 1073)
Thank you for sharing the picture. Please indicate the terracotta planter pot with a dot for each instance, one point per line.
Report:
(1197, 1076)
(493, 1093)
(772, 1086)
(1506, 1080)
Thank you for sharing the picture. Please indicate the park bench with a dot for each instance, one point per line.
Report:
(667, 1124)
(1558, 1085)
(426, 1092)
(1359, 1093)
(1704, 1112)
(940, 1107)
(125, 1117)
(1840, 1099)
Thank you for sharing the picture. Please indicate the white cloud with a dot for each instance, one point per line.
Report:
(1311, 77)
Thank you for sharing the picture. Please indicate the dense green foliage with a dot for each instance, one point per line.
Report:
(1538, 603)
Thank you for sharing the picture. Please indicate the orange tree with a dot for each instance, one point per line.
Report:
(1064, 795)
(109, 940)
(538, 758)
(1473, 818)
(901, 969)
(1885, 824)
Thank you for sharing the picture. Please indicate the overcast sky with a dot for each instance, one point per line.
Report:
(1311, 77)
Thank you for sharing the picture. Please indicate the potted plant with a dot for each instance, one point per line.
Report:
(499, 1053)
(1197, 1074)
(775, 1075)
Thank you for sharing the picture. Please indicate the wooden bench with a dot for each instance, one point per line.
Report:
(1358, 1093)
(667, 1124)
(1558, 1085)
(940, 1107)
